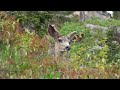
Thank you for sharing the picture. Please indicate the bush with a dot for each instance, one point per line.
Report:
(21, 47)
(114, 46)
(105, 23)
(25, 54)
(92, 47)
(39, 20)
(36, 19)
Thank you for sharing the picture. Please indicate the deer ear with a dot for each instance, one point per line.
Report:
(53, 33)
(71, 35)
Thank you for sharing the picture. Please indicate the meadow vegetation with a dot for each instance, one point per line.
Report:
(23, 54)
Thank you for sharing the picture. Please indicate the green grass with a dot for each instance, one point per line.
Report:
(25, 58)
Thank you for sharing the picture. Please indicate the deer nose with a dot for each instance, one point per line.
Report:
(67, 48)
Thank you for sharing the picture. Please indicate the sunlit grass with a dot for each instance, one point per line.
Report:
(24, 57)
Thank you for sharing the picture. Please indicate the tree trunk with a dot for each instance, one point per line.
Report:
(82, 16)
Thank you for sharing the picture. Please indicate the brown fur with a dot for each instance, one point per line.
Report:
(59, 46)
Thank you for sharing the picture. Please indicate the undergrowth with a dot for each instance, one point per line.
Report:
(23, 54)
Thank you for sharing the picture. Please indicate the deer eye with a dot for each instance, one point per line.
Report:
(59, 40)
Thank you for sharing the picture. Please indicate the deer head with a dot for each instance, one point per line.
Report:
(62, 43)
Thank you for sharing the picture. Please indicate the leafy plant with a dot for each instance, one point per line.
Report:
(24, 54)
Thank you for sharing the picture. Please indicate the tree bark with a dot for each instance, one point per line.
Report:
(82, 16)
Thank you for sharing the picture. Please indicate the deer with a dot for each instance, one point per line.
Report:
(61, 46)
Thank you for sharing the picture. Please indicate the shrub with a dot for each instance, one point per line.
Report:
(36, 19)
(92, 48)
(22, 47)
(114, 46)
(105, 23)
(25, 54)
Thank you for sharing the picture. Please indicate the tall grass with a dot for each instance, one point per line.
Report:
(25, 55)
